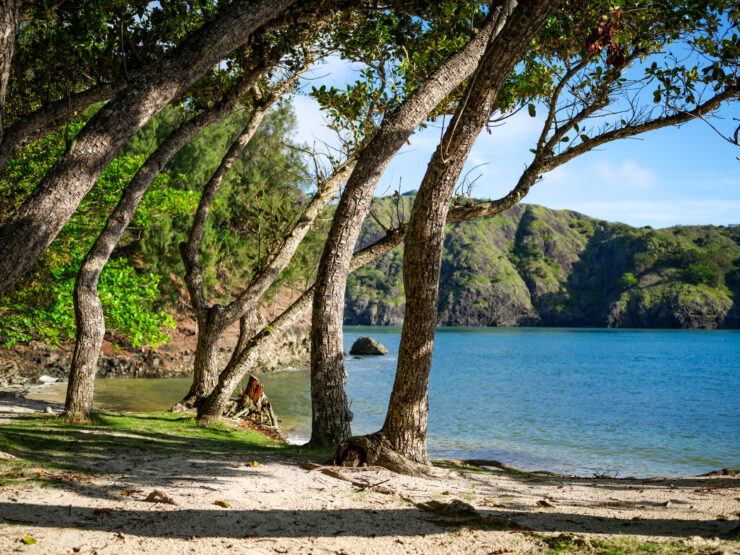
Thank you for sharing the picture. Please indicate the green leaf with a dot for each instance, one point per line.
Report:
(532, 111)
(28, 540)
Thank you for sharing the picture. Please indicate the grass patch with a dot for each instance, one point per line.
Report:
(49, 444)
(569, 543)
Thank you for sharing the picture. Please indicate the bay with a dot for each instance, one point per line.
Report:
(585, 401)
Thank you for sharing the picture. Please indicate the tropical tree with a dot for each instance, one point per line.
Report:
(25, 236)
(592, 50)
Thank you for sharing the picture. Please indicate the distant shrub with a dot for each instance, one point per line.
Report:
(643, 261)
(701, 274)
(627, 280)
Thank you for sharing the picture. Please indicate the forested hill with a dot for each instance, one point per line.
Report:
(532, 266)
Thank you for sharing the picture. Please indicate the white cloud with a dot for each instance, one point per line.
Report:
(626, 174)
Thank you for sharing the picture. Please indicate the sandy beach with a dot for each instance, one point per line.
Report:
(208, 504)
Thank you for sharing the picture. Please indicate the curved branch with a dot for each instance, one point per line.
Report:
(631, 130)
(51, 117)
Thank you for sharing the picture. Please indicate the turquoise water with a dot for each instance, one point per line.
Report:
(625, 402)
(631, 402)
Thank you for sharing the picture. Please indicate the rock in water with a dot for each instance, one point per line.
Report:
(367, 346)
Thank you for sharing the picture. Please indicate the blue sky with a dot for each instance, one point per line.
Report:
(687, 175)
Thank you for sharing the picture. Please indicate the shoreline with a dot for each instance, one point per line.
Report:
(294, 438)
(267, 500)
(527, 461)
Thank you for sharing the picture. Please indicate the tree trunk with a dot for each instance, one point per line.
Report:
(330, 412)
(89, 338)
(405, 426)
(28, 233)
(211, 320)
(88, 310)
(10, 20)
(51, 117)
(205, 363)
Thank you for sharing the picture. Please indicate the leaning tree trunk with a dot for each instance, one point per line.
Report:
(213, 320)
(10, 19)
(330, 411)
(404, 431)
(88, 310)
(31, 229)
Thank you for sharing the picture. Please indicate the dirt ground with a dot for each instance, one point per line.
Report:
(225, 505)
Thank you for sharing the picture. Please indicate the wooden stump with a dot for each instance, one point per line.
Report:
(252, 404)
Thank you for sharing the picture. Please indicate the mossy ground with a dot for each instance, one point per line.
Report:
(47, 445)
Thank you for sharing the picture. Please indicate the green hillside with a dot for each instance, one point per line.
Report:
(532, 266)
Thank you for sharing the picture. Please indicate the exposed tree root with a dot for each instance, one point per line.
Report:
(334, 473)
(375, 449)
(452, 513)
(496, 464)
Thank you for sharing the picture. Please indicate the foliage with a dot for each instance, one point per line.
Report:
(260, 198)
(627, 280)
(42, 306)
(699, 274)
(67, 47)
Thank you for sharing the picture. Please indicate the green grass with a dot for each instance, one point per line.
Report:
(567, 543)
(49, 443)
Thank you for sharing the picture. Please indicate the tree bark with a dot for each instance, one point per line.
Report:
(90, 322)
(405, 426)
(33, 227)
(11, 12)
(330, 412)
(211, 319)
(48, 119)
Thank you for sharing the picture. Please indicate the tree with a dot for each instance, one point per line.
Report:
(26, 235)
(401, 442)
(41, 307)
(88, 309)
(11, 13)
(330, 411)
(356, 111)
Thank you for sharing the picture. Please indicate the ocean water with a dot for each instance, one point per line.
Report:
(585, 401)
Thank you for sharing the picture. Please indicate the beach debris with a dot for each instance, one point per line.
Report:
(367, 346)
(129, 492)
(28, 540)
(253, 464)
(543, 503)
(102, 511)
(223, 504)
(158, 496)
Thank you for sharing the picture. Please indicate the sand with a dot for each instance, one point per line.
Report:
(224, 505)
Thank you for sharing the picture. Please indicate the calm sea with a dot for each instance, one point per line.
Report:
(622, 402)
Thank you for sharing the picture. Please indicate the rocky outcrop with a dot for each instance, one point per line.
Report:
(25, 365)
(532, 266)
(367, 346)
